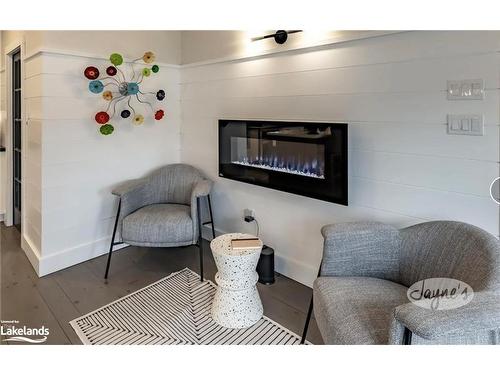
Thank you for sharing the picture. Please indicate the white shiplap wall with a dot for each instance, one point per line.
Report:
(78, 166)
(403, 167)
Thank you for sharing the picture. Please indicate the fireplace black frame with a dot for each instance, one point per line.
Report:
(334, 188)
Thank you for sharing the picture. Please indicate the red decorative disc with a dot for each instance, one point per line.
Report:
(159, 114)
(101, 117)
(111, 70)
(91, 72)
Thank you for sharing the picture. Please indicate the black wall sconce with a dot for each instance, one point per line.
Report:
(279, 36)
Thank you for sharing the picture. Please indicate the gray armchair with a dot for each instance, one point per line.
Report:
(360, 295)
(162, 210)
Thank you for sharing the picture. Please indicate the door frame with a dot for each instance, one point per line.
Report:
(10, 50)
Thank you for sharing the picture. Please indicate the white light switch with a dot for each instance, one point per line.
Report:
(455, 124)
(466, 124)
(467, 89)
(477, 125)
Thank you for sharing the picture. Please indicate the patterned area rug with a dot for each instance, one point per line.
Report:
(172, 311)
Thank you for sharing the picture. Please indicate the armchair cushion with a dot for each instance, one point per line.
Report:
(159, 225)
(356, 310)
(366, 249)
(481, 314)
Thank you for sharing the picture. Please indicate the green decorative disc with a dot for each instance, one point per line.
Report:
(155, 68)
(116, 59)
(146, 72)
(106, 129)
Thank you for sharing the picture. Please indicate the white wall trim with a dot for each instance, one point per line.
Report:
(59, 52)
(44, 265)
(297, 271)
(274, 52)
(31, 252)
(69, 257)
(324, 44)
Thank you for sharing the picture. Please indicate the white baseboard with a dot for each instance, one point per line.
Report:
(298, 271)
(44, 265)
(48, 264)
(31, 252)
(69, 257)
(206, 232)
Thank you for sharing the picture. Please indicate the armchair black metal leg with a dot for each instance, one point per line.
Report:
(309, 312)
(211, 216)
(407, 337)
(308, 319)
(200, 239)
(113, 239)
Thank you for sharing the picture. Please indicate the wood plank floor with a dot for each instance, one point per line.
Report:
(55, 299)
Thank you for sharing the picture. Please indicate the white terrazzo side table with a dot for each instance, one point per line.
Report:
(236, 302)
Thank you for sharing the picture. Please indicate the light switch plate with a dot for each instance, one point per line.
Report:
(466, 89)
(466, 124)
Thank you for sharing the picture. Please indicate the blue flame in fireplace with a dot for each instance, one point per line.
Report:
(308, 168)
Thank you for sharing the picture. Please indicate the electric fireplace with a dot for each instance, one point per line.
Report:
(305, 158)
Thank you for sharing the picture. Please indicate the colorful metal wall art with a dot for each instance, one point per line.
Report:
(124, 94)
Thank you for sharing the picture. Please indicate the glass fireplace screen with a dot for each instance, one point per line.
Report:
(303, 159)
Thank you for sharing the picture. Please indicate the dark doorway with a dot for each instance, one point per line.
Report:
(16, 138)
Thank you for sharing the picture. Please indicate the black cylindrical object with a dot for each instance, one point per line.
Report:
(265, 267)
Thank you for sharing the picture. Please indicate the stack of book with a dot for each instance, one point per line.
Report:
(239, 244)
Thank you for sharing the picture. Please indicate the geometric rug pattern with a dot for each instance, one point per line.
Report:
(172, 311)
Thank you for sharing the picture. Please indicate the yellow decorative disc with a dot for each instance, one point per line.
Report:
(148, 57)
(107, 95)
(138, 119)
